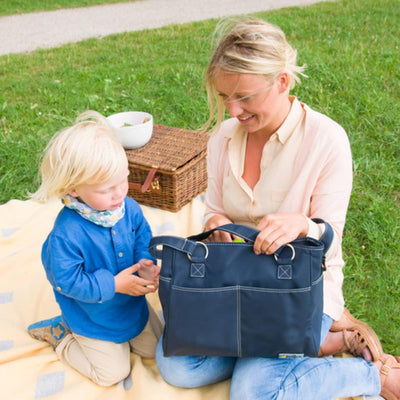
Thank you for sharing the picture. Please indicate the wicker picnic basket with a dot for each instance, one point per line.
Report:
(170, 170)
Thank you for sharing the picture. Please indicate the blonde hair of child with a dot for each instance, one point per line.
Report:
(250, 46)
(86, 153)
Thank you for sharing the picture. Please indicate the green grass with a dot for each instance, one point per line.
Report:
(9, 7)
(351, 49)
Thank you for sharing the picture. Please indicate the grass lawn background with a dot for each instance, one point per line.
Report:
(351, 48)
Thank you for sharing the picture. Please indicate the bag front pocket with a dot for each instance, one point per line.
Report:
(282, 313)
(214, 325)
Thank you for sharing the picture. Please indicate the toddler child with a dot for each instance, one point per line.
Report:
(96, 256)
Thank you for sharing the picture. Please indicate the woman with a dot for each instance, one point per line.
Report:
(275, 165)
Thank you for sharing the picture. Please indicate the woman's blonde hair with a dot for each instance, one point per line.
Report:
(250, 46)
(86, 153)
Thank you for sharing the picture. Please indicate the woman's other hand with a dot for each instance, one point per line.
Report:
(218, 236)
(279, 229)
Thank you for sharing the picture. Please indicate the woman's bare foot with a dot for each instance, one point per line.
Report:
(335, 343)
(357, 338)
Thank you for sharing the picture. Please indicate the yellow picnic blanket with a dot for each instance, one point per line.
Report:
(30, 369)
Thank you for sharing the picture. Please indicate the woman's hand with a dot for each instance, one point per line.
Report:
(279, 229)
(218, 236)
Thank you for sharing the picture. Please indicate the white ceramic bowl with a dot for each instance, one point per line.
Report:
(133, 128)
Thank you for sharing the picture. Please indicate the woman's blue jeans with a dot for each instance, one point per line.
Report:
(274, 378)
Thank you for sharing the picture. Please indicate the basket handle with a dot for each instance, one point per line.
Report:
(150, 183)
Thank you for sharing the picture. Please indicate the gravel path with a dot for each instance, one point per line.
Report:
(27, 32)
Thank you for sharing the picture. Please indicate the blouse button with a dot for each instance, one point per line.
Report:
(120, 254)
(58, 288)
(114, 232)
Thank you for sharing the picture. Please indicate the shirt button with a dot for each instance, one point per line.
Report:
(120, 254)
(114, 233)
(58, 288)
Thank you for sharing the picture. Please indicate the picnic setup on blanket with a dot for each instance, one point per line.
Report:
(168, 178)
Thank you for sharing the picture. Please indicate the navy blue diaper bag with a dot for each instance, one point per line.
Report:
(221, 299)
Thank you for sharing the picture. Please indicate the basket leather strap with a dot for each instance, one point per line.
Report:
(146, 185)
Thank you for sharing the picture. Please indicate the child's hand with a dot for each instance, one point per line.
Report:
(128, 283)
(149, 271)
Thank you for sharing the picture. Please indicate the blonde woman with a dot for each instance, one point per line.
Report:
(274, 165)
(96, 256)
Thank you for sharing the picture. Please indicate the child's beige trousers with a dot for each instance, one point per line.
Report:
(107, 363)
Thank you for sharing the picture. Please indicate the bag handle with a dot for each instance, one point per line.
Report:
(250, 234)
(190, 244)
(327, 236)
(245, 232)
(175, 242)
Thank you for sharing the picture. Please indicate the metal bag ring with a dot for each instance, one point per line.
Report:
(293, 252)
(206, 254)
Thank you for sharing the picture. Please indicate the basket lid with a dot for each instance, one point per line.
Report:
(169, 148)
